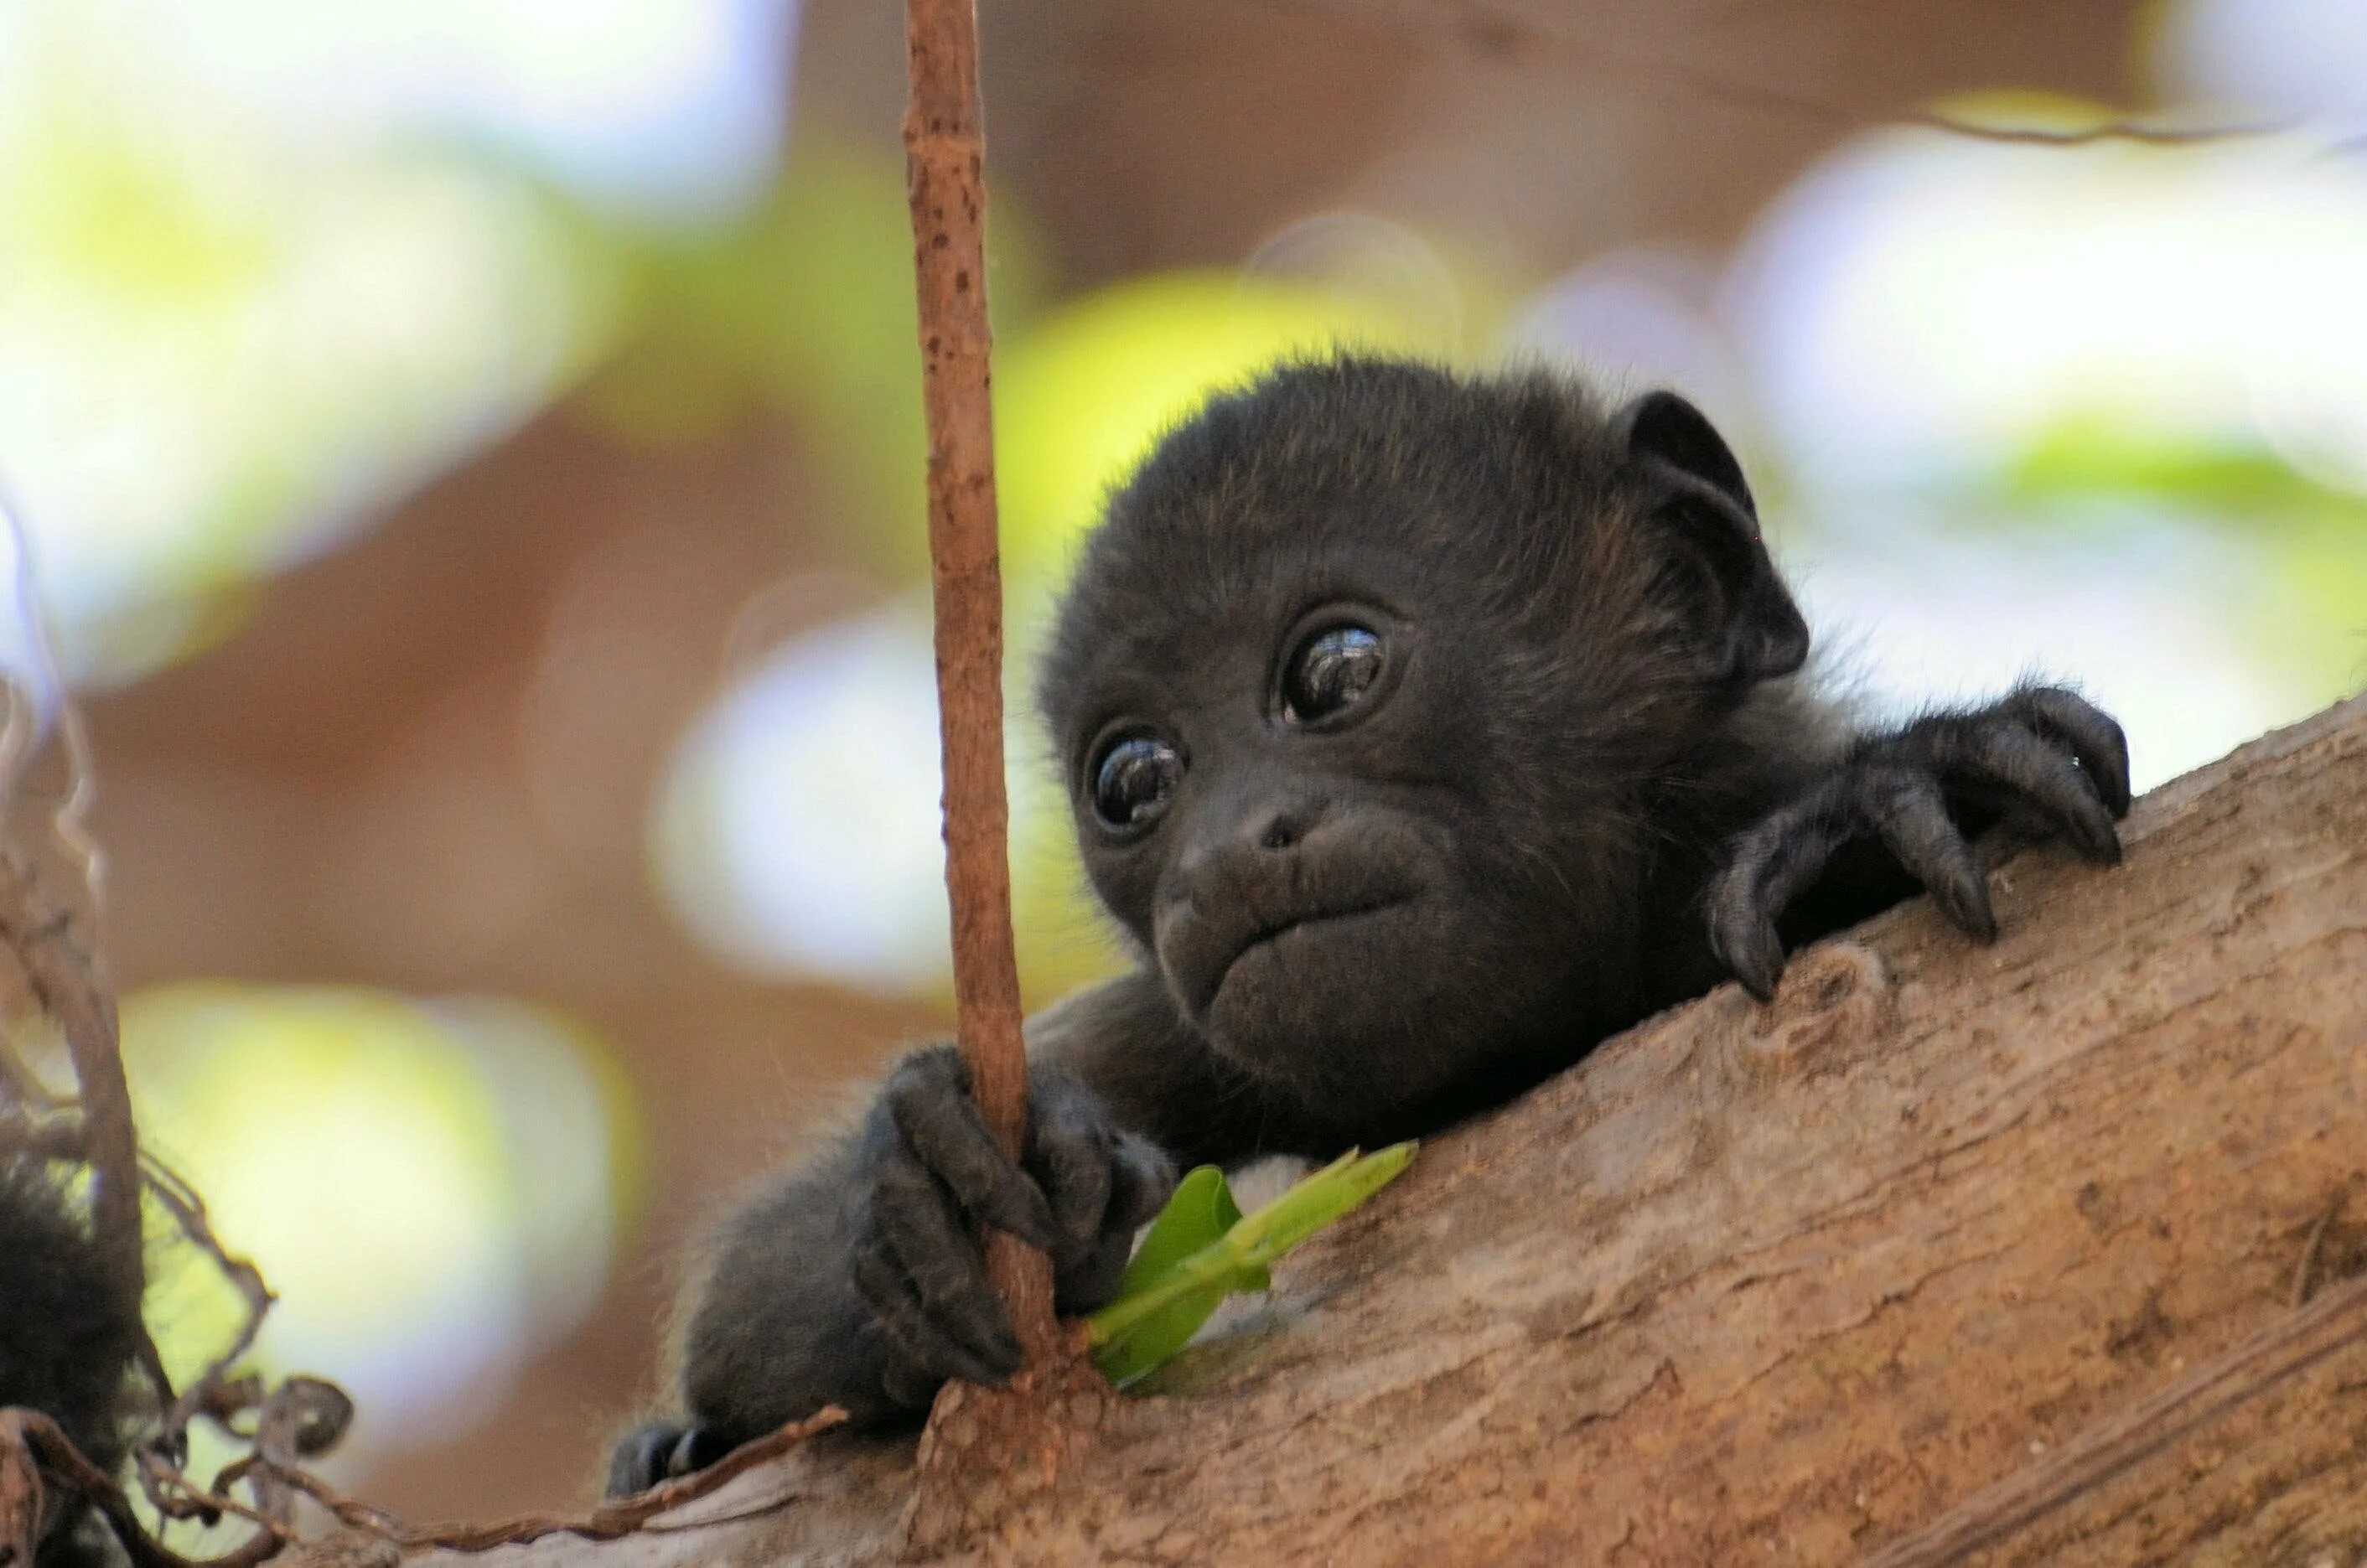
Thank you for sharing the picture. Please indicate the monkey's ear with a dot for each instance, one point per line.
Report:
(1696, 490)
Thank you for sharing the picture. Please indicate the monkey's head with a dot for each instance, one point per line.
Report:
(1360, 688)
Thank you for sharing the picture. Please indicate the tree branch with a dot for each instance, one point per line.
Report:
(1950, 1248)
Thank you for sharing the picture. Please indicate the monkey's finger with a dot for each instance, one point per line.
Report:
(928, 1098)
(1746, 947)
(895, 1305)
(2011, 757)
(1141, 1180)
(643, 1458)
(1087, 1281)
(697, 1447)
(908, 1386)
(1911, 817)
(1741, 930)
(942, 1261)
(1742, 916)
(1768, 865)
(2093, 736)
(1071, 1147)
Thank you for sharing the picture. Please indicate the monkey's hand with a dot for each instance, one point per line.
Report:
(929, 1172)
(2043, 757)
(858, 1280)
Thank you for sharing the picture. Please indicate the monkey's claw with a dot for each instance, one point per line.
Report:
(650, 1455)
(2044, 757)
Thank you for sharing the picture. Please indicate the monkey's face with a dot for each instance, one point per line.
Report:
(1308, 804)
(1329, 791)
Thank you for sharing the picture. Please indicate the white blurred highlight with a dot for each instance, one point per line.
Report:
(1922, 309)
(1384, 265)
(672, 109)
(799, 831)
(2296, 57)
(1638, 320)
(454, 1211)
(1915, 616)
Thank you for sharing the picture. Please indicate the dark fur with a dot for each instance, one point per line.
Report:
(69, 1331)
(1586, 785)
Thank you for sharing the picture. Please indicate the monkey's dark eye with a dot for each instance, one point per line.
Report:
(1133, 780)
(1332, 670)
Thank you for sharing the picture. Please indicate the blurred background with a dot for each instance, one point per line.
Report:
(469, 453)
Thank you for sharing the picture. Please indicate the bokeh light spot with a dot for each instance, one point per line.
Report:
(431, 1188)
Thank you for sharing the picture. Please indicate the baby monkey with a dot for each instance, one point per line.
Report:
(1421, 731)
(70, 1336)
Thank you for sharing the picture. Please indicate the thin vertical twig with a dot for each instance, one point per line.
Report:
(944, 156)
(986, 1452)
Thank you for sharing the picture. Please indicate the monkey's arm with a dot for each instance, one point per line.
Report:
(857, 1279)
(1897, 810)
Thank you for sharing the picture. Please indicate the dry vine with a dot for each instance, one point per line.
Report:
(64, 980)
(619, 1516)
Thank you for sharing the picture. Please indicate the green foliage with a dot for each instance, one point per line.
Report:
(805, 308)
(1200, 1214)
(1201, 1250)
(219, 353)
(2084, 458)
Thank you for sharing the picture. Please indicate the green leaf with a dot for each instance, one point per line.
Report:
(1196, 1218)
(1201, 1250)
(1202, 1210)
(1307, 1207)
(1154, 1339)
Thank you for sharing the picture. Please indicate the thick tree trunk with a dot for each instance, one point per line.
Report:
(2055, 1249)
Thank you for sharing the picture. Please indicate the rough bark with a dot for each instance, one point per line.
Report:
(2054, 1251)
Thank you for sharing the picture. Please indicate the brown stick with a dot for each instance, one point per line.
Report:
(616, 1518)
(985, 1451)
(945, 155)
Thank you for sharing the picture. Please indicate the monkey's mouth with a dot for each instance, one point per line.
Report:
(1270, 935)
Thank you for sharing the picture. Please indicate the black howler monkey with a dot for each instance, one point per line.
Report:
(70, 1334)
(1420, 731)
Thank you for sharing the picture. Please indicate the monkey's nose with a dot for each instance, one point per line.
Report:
(1282, 829)
(1248, 855)
(1242, 840)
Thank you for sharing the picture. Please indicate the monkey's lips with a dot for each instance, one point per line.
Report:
(1284, 939)
(1339, 1003)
